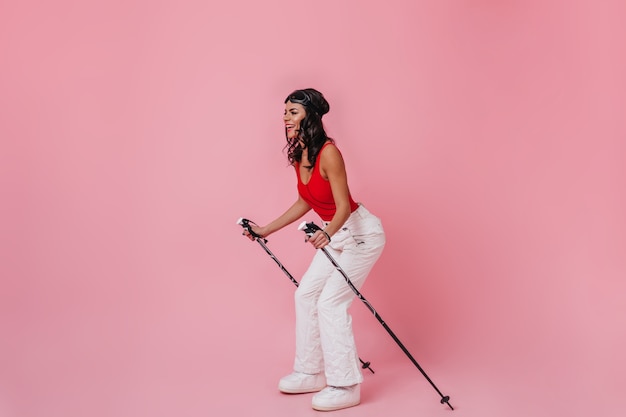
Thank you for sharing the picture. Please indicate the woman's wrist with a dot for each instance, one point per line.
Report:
(326, 234)
(261, 231)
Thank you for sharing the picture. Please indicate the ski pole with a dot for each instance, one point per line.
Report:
(310, 228)
(245, 223)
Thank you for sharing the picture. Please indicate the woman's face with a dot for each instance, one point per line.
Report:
(294, 113)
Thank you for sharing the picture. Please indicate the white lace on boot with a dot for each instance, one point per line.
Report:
(336, 398)
(300, 383)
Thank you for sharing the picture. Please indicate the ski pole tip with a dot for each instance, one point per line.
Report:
(446, 400)
(366, 365)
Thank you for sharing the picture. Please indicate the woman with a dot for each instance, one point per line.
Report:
(326, 359)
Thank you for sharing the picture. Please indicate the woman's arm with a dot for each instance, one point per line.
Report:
(333, 169)
(293, 213)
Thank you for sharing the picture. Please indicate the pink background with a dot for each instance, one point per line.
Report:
(488, 135)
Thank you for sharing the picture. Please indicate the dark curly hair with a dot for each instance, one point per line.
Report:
(311, 132)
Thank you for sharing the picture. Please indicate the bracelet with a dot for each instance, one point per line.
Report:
(327, 235)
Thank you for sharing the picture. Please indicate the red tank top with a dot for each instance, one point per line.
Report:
(317, 192)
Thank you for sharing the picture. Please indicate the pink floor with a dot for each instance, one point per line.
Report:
(182, 353)
(215, 385)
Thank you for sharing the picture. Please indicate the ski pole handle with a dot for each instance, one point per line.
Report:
(245, 223)
(309, 228)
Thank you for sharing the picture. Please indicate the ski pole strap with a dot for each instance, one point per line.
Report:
(310, 228)
(245, 223)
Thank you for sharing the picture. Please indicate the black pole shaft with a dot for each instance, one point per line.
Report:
(364, 364)
(269, 252)
(444, 398)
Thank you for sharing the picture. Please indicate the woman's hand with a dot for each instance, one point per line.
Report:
(255, 229)
(319, 239)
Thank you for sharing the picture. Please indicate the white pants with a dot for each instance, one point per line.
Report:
(324, 339)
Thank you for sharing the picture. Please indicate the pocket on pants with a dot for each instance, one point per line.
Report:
(368, 235)
(343, 239)
(369, 225)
